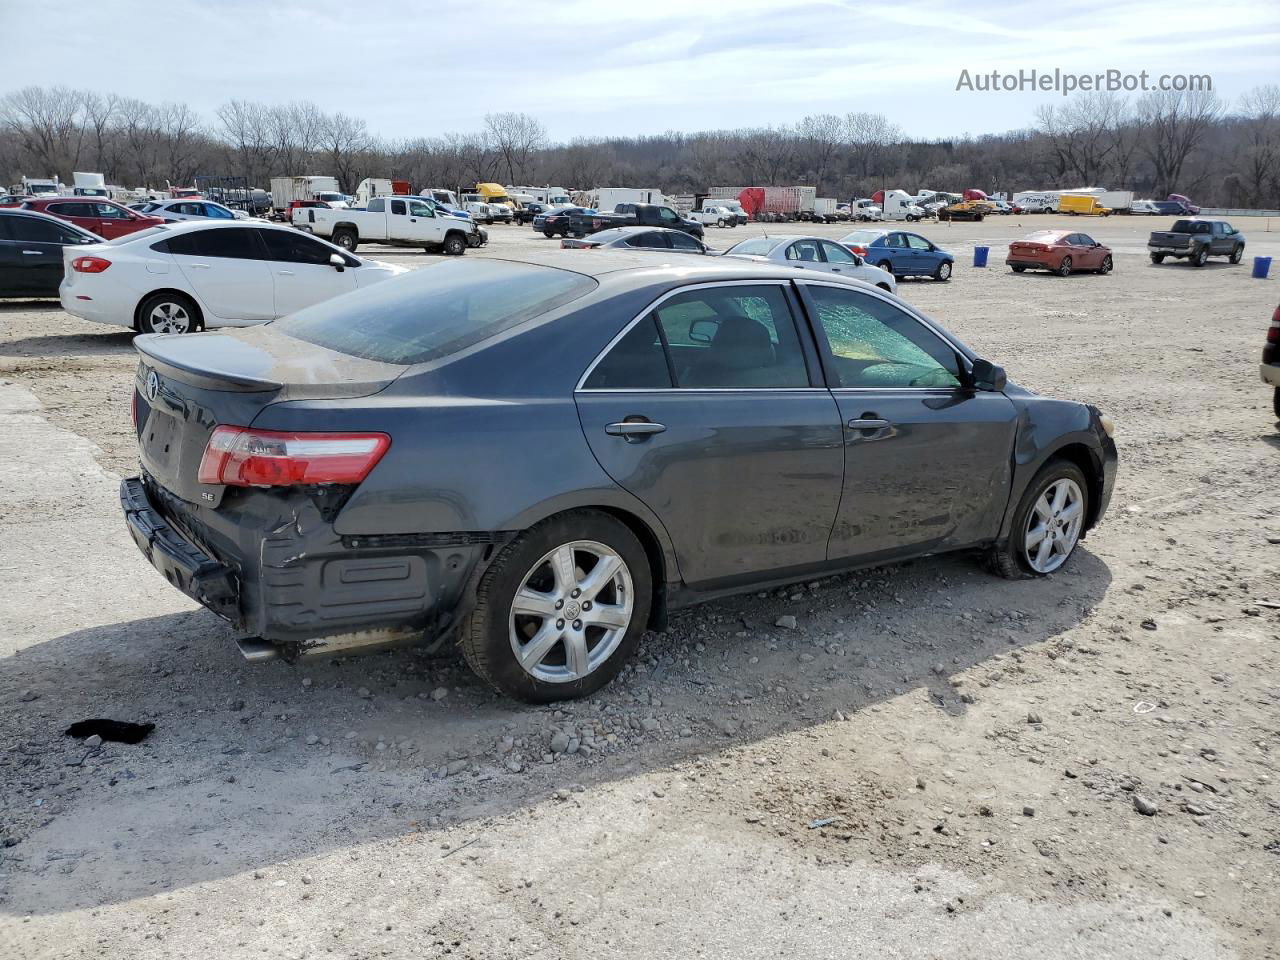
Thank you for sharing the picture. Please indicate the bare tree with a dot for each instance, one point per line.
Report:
(342, 138)
(515, 137)
(1260, 173)
(870, 135)
(47, 124)
(821, 138)
(1173, 124)
(247, 128)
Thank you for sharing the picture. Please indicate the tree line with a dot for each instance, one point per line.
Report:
(1195, 143)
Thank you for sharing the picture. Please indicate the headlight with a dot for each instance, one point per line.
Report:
(1108, 425)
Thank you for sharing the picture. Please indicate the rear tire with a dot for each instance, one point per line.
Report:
(886, 266)
(1014, 559)
(1275, 403)
(1017, 268)
(346, 239)
(1064, 268)
(1200, 257)
(522, 597)
(169, 313)
(549, 234)
(1157, 258)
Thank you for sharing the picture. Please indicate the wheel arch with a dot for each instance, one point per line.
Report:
(195, 301)
(1091, 466)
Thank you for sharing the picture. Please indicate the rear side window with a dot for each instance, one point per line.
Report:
(636, 362)
(435, 311)
(236, 243)
(397, 208)
(377, 205)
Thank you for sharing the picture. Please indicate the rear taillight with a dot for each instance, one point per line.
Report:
(860, 251)
(89, 264)
(133, 409)
(241, 457)
(1273, 334)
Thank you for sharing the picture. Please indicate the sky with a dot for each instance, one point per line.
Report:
(589, 69)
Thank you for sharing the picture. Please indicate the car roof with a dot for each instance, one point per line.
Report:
(641, 266)
(19, 212)
(634, 229)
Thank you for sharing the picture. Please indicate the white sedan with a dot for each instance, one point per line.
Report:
(812, 253)
(191, 208)
(185, 277)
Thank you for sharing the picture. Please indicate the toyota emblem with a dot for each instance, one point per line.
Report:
(153, 385)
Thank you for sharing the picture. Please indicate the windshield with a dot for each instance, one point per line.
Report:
(757, 246)
(435, 311)
(39, 188)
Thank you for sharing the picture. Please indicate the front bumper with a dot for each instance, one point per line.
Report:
(270, 563)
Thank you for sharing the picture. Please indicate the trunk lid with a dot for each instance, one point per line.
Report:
(1166, 239)
(188, 384)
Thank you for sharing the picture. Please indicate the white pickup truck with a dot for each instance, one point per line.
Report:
(714, 216)
(397, 221)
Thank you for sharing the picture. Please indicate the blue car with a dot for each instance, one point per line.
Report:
(901, 253)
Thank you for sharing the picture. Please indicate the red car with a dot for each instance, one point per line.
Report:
(106, 218)
(1059, 251)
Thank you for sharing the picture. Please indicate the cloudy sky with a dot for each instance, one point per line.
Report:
(644, 66)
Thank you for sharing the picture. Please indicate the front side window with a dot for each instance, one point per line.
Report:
(836, 253)
(875, 344)
(109, 211)
(1084, 239)
(733, 337)
(682, 241)
(419, 209)
(918, 243)
(293, 246)
(668, 215)
(217, 212)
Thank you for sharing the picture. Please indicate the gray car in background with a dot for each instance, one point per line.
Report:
(638, 238)
(817, 254)
(537, 460)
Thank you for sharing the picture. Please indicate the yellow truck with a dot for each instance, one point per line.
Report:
(495, 193)
(1082, 206)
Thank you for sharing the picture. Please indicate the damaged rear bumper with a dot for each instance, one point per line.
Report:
(271, 564)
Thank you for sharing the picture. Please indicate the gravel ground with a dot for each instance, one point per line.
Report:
(931, 762)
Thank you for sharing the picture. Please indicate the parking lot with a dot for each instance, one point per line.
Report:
(932, 762)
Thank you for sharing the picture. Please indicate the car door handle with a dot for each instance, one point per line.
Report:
(835, 269)
(34, 253)
(634, 431)
(284, 273)
(868, 424)
(199, 266)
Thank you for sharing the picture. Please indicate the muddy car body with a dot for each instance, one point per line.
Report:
(542, 483)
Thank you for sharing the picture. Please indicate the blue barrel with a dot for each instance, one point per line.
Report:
(980, 256)
(1261, 267)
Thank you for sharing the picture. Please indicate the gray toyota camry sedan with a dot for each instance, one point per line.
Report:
(537, 460)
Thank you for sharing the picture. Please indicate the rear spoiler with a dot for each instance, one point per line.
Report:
(173, 355)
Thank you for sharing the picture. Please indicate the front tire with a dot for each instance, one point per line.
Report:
(1047, 524)
(1107, 265)
(943, 272)
(561, 609)
(1237, 254)
(455, 245)
(168, 313)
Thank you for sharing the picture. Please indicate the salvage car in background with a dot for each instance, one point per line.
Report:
(1197, 240)
(182, 278)
(901, 253)
(106, 218)
(346, 477)
(175, 211)
(637, 238)
(812, 253)
(1059, 251)
(1270, 368)
(31, 247)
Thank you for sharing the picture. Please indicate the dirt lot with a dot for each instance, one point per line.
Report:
(935, 762)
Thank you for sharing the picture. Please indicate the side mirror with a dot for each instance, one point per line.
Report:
(987, 376)
(336, 261)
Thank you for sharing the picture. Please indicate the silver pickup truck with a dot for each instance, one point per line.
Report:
(398, 221)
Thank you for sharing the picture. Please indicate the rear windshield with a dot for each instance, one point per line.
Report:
(138, 235)
(863, 237)
(756, 246)
(1190, 226)
(435, 311)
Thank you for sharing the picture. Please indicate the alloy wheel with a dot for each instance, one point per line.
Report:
(170, 317)
(1053, 526)
(571, 612)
